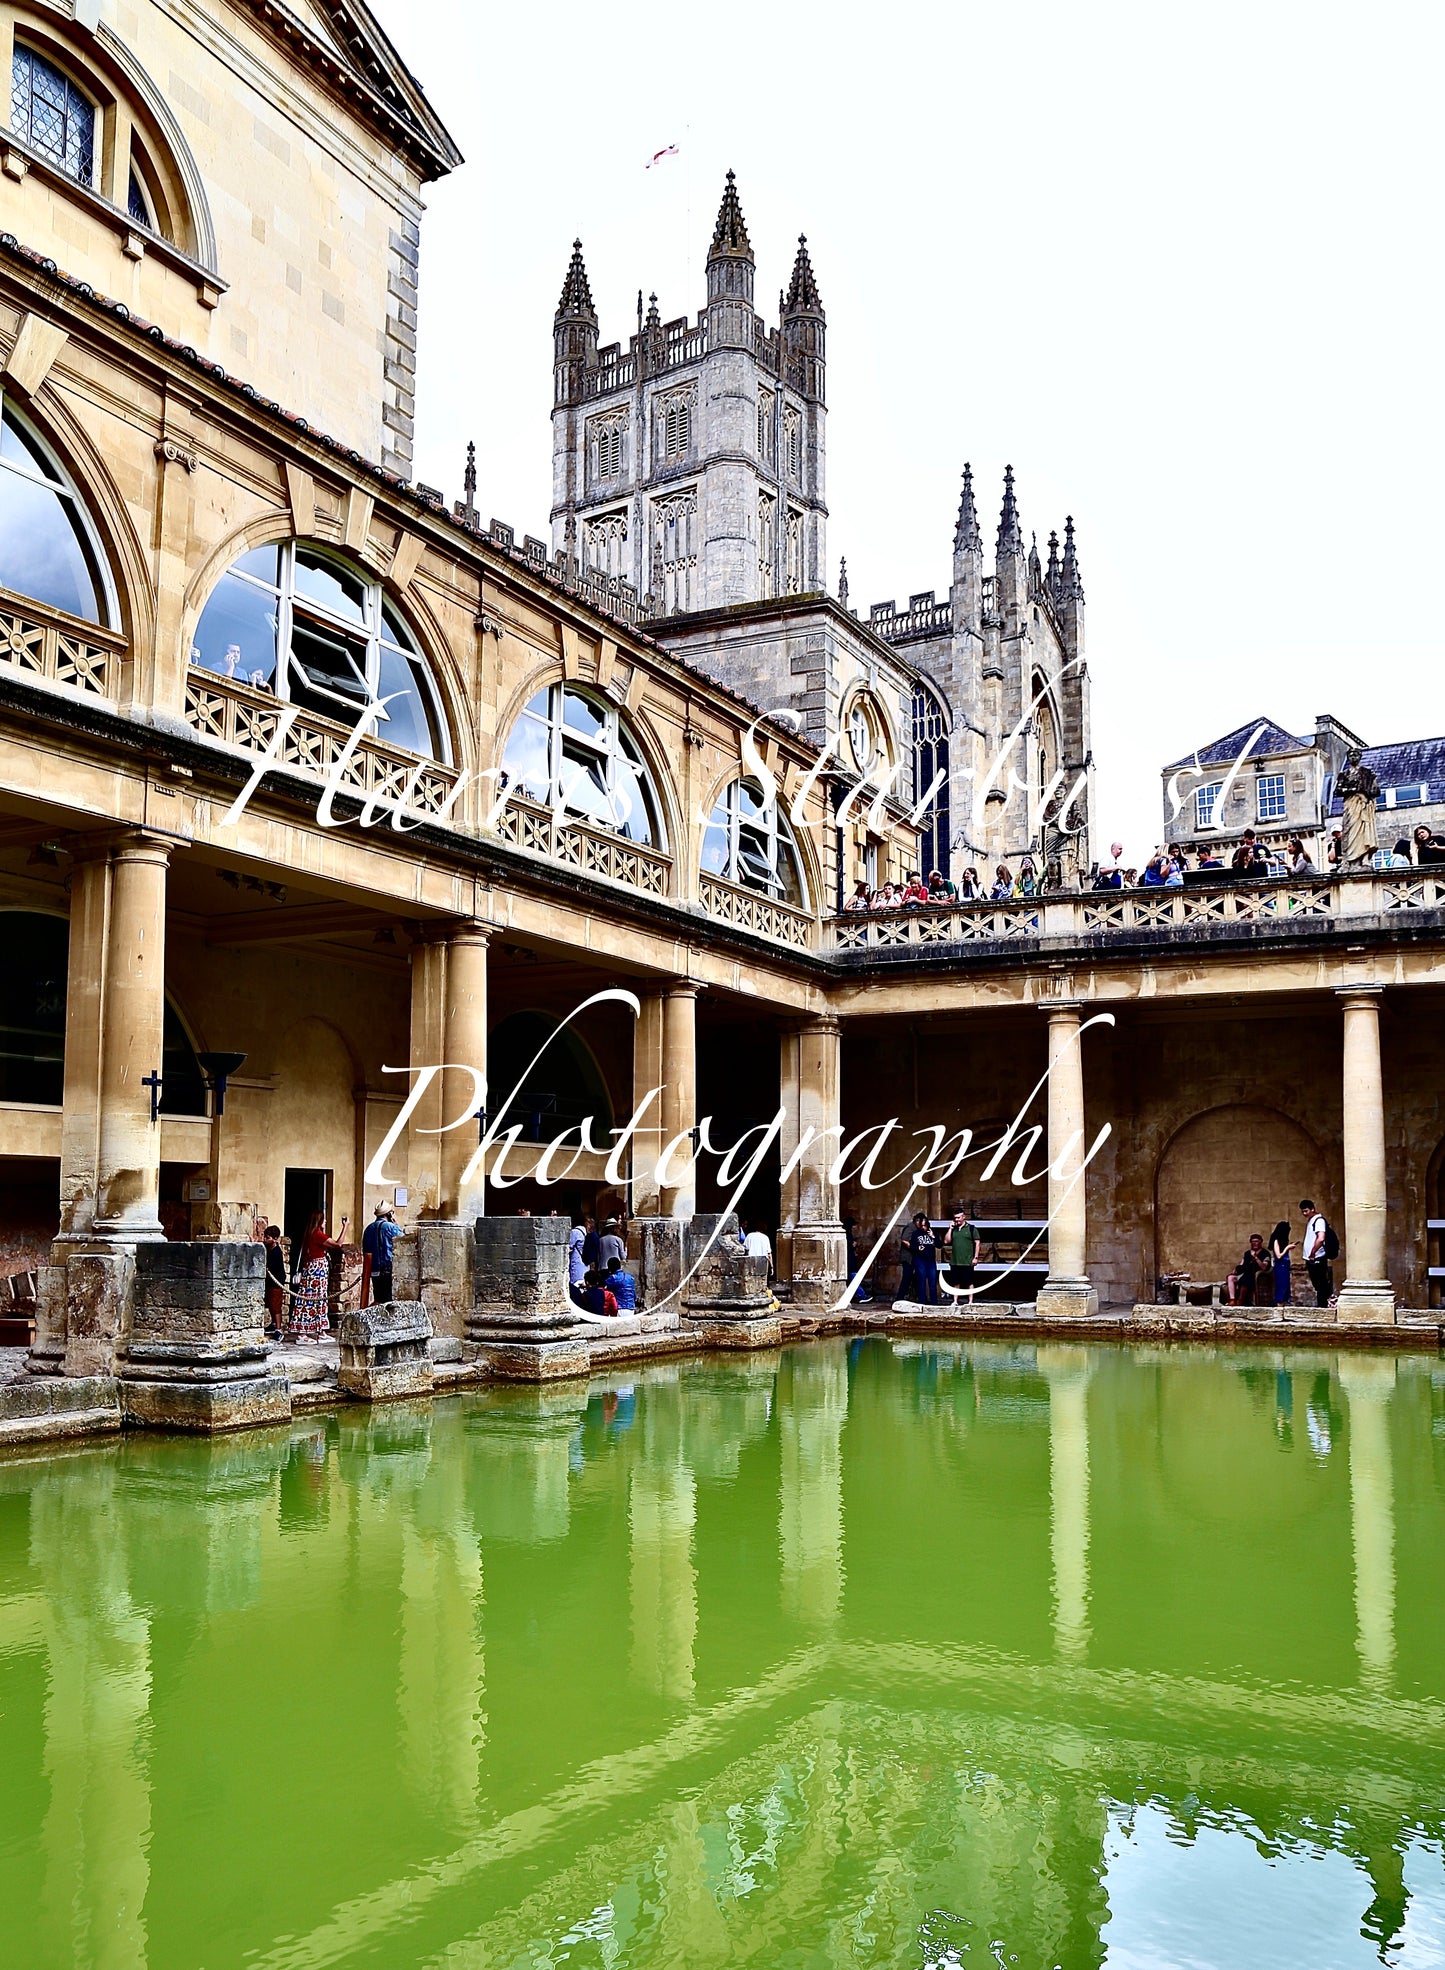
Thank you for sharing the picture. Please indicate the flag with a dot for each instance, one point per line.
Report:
(658, 155)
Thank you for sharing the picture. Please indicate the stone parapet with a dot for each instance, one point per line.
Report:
(384, 1352)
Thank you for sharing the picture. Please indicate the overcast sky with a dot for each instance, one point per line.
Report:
(1179, 266)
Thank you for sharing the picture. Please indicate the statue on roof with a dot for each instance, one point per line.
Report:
(1358, 790)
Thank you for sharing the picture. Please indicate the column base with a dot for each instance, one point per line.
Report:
(234, 1403)
(535, 1361)
(1366, 1303)
(1067, 1299)
(818, 1266)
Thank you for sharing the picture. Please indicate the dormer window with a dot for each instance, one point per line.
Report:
(51, 115)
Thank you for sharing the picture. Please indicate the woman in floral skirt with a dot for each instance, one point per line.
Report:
(308, 1312)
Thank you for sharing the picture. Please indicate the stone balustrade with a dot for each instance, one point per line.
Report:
(53, 647)
(1069, 917)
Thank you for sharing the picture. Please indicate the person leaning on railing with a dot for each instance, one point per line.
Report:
(1429, 848)
(860, 899)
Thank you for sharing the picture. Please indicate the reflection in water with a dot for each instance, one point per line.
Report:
(1369, 1382)
(1067, 1372)
(1065, 1656)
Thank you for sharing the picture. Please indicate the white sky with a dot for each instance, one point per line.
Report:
(1180, 266)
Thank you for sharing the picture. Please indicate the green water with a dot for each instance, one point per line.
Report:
(861, 1654)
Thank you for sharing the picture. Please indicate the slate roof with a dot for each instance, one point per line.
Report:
(1409, 764)
(1224, 752)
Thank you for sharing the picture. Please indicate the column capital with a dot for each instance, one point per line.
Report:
(1361, 994)
(124, 845)
(682, 988)
(1070, 1009)
(818, 1022)
(471, 930)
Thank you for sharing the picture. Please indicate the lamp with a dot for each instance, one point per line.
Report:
(218, 1069)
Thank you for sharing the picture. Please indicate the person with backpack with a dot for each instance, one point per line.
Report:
(1321, 1249)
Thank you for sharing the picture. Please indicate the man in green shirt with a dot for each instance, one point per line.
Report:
(962, 1251)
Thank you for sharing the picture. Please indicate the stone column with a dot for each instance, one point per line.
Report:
(133, 1002)
(677, 1198)
(647, 1073)
(423, 1154)
(85, 977)
(464, 1038)
(819, 1250)
(1066, 1293)
(1367, 1294)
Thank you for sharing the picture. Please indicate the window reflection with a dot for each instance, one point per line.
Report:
(573, 752)
(46, 550)
(317, 631)
(748, 841)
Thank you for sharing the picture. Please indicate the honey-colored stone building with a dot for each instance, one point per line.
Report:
(309, 783)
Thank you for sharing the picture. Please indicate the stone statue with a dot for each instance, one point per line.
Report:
(1357, 788)
(1062, 848)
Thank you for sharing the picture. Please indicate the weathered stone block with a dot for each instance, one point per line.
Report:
(384, 1352)
(58, 1406)
(520, 1277)
(444, 1274)
(195, 1355)
(47, 1354)
(240, 1404)
(99, 1289)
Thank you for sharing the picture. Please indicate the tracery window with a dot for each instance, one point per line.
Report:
(573, 752)
(765, 426)
(767, 545)
(607, 447)
(795, 553)
(793, 443)
(748, 841)
(605, 539)
(47, 550)
(674, 414)
(319, 632)
(674, 551)
(930, 761)
(52, 115)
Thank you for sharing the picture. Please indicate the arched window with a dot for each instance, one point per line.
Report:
(558, 1092)
(47, 550)
(574, 753)
(32, 1021)
(747, 840)
(930, 761)
(319, 632)
(50, 114)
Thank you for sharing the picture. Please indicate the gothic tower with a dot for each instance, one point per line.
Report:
(692, 466)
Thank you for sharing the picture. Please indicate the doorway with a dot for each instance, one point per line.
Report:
(306, 1191)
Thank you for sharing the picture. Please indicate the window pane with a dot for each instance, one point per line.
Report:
(631, 803)
(790, 872)
(525, 760)
(328, 670)
(262, 562)
(584, 784)
(340, 593)
(21, 450)
(135, 202)
(394, 630)
(42, 552)
(582, 716)
(755, 866)
(236, 635)
(49, 112)
(750, 799)
(406, 720)
(538, 706)
(715, 845)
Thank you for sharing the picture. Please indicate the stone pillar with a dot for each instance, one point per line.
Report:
(423, 1154)
(464, 1037)
(133, 1001)
(1367, 1294)
(647, 1073)
(523, 1320)
(1066, 1293)
(677, 1198)
(84, 983)
(195, 1356)
(819, 1254)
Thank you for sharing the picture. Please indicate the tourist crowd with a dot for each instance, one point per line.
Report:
(1166, 868)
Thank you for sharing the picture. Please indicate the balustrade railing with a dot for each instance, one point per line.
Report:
(39, 644)
(242, 716)
(745, 908)
(1111, 911)
(528, 824)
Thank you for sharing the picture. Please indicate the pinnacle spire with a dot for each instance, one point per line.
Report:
(730, 234)
(469, 475)
(967, 534)
(576, 290)
(843, 581)
(1070, 584)
(803, 297)
(1053, 568)
(1036, 571)
(1010, 534)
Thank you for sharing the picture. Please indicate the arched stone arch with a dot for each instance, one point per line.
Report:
(275, 528)
(808, 859)
(1224, 1173)
(108, 71)
(126, 562)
